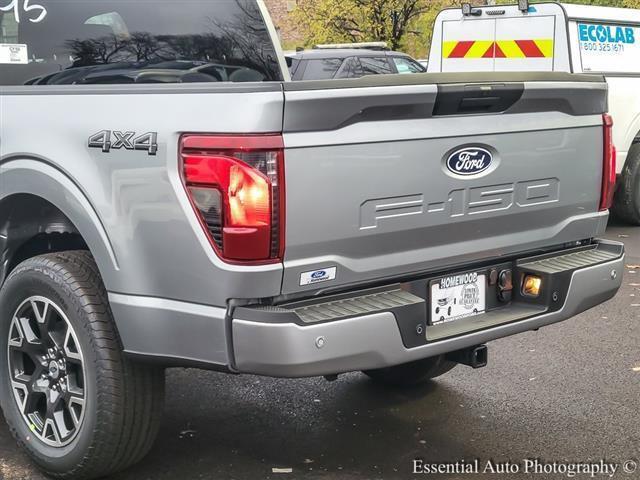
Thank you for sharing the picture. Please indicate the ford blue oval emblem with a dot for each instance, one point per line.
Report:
(319, 274)
(469, 161)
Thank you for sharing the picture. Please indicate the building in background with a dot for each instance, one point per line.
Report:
(281, 11)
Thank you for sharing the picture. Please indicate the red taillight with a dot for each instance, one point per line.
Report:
(236, 186)
(609, 165)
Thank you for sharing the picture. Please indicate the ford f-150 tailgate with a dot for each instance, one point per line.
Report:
(391, 177)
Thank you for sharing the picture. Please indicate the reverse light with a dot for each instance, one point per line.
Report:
(531, 285)
(609, 165)
(235, 184)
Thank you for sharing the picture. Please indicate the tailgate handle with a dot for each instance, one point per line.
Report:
(475, 104)
(474, 99)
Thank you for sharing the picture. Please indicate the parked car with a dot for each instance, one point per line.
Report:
(390, 224)
(560, 38)
(330, 63)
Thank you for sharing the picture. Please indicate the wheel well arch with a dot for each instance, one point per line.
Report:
(31, 226)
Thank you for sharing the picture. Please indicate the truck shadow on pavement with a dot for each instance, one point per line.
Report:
(217, 426)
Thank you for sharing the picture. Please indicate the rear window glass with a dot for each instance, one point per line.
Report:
(375, 65)
(351, 68)
(609, 48)
(322, 69)
(61, 42)
(406, 65)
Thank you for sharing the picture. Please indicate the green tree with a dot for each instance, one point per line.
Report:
(390, 21)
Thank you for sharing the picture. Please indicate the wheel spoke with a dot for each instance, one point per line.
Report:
(22, 336)
(29, 379)
(40, 385)
(61, 402)
(50, 431)
(70, 346)
(25, 367)
(55, 415)
(16, 337)
(41, 311)
(61, 426)
(49, 325)
(21, 393)
(75, 404)
(34, 351)
(29, 335)
(26, 393)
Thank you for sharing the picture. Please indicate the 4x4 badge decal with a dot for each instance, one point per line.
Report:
(107, 141)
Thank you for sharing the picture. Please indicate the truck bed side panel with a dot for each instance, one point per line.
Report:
(139, 198)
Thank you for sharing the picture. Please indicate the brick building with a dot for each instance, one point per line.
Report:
(280, 11)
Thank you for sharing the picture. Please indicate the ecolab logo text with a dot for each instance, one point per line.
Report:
(606, 34)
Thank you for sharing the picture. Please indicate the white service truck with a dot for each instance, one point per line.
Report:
(556, 37)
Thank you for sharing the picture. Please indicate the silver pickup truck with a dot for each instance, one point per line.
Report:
(169, 199)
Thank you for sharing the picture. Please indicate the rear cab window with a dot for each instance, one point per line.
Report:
(65, 42)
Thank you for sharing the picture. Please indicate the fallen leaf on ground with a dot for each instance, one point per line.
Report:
(636, 369)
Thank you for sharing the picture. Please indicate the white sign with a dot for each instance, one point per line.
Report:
(13, 54)
(609, 48)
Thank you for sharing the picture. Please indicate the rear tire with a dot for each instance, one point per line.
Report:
(627, 201)
(98, 412)
(412, 374)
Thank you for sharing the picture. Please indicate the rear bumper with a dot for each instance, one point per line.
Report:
(267, 342)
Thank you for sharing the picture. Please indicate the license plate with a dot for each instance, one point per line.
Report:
(457, 296)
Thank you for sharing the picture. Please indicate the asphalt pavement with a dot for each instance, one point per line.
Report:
(569, 393)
